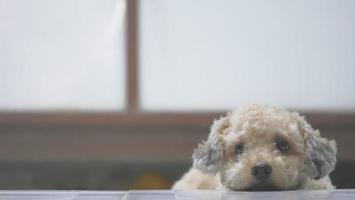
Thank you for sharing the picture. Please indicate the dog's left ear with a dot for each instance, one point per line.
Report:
(207, 157)
(320, 152)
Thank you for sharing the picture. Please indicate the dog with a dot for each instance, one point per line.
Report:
(261, 148)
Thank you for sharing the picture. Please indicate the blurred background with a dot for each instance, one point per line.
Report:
(115, 94)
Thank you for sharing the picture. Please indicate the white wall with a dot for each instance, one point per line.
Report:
(207, 54)
(62, 54)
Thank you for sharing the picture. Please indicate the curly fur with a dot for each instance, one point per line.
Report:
(306, 165)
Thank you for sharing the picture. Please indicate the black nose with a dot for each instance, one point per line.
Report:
(261, 170)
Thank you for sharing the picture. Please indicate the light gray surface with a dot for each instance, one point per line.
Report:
(175, 195)
(259, 51)
(62, 55)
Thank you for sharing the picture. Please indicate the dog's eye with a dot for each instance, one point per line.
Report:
(282, 145)
(239, 149)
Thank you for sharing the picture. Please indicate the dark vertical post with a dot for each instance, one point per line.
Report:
(132, 56)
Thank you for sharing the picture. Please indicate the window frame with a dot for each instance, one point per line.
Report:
(66, 130)
(133, 115)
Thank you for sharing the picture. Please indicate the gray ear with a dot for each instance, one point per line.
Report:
(207, 157)
(320, 152)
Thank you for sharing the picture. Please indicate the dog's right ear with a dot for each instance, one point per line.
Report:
(207, 157)
(320, 153)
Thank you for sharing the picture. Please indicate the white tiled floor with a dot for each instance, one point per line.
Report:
(175, 195)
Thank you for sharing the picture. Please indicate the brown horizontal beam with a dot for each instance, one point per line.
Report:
(114, 119)
(165, 119)
(106, 143)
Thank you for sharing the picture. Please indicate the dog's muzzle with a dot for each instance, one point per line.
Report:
(261, 171)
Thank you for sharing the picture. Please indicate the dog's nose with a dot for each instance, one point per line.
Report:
(261, 170)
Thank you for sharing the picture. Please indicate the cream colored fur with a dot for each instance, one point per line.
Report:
(306, 165)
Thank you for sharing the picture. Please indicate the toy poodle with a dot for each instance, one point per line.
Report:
(261, 148)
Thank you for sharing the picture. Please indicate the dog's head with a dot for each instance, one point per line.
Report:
(264, 148)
